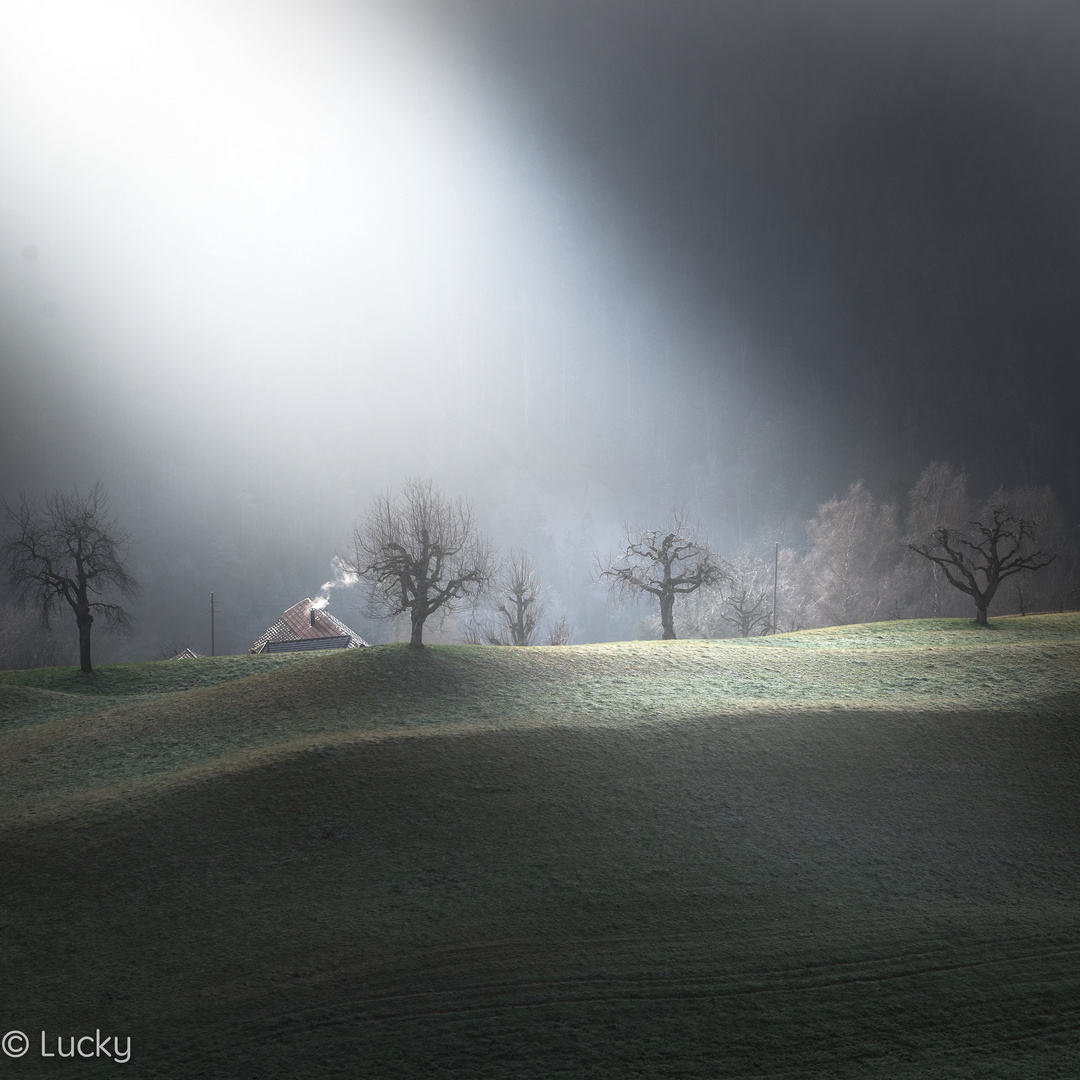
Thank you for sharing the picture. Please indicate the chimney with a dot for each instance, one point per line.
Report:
(312, 615)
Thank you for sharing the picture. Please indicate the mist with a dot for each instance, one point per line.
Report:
(581, 263)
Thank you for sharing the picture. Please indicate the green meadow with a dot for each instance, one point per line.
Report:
(851, 852)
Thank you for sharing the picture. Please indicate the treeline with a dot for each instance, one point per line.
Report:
(936, 551)
(856, 563)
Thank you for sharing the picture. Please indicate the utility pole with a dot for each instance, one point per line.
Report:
(775, 575)
(212, 653)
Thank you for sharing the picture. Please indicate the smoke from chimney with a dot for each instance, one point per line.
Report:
(343, 577)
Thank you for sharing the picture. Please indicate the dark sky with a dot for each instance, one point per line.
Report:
(582, 261)
(879, 200)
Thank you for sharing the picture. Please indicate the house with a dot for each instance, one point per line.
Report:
(307, 626)
(185, 654)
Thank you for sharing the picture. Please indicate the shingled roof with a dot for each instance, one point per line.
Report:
(304, 627)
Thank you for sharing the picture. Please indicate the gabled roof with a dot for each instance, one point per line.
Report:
(185, 654)
(304, 622)
(342, 641)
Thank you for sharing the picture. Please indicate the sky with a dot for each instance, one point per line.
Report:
(582, 262)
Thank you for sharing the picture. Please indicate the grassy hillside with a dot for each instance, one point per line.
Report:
(851, 852)
(51, 693)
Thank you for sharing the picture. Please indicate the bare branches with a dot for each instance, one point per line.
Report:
(938, 500)
(977, 562)
(418, 553)
(561, 632)
(67, 551)
(746, 596)
(664, 565)
(855, 546)
(519, 608)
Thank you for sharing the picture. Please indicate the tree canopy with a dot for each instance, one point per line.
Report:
(420, 552)
(66, 550)
(665, 565)
(978, 560)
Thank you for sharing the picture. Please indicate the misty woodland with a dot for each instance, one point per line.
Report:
(421, 558)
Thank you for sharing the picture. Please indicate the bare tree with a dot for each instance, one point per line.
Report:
(66, 550)
(419, 553)
(518, 605)
(938, 500)
(666, 565)
(742, 603)
(561, 632)
(1026, 593)
(795, 593)
(856, 548)
(697, 616)
(746, 595)
(996, 548)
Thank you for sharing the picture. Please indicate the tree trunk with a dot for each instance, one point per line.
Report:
(667, 618)
(980, 615)
(417, 639)
(84, 621)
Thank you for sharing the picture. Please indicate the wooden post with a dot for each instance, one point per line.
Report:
(212, 653)
(775, 575)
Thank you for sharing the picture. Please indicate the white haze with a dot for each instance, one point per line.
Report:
(266, 214)
(254, 192)
(261, 260)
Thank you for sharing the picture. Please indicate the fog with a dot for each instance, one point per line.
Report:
(580, 263)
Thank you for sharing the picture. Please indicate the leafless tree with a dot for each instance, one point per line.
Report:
(795, 593)
(561, 632)
(420, 552)
(664, 565)
(856, 547)
(746, 595)
(741, 604)
(1047, 591)
(518, 605)
(938, 500)
(67, 550)
(978, 560)
(696, 616)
